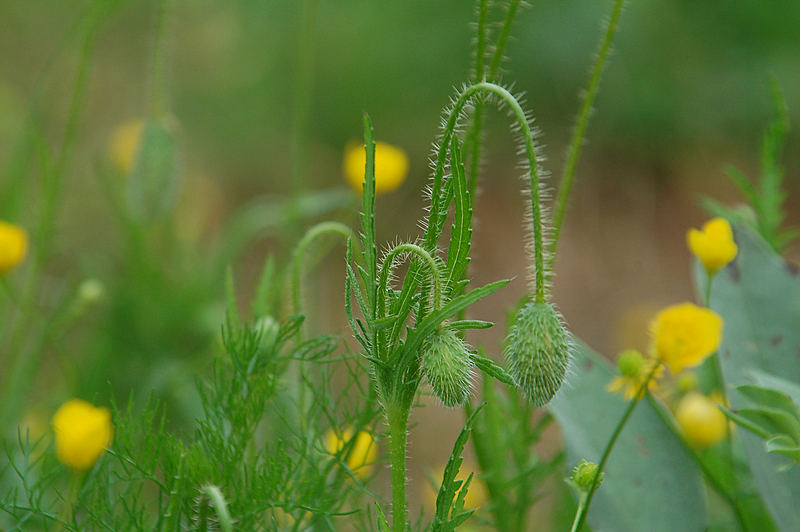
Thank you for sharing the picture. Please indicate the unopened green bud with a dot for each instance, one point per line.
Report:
(630, 363)
(269, 330)
(583, 474)
(448, 367)
(538, 352)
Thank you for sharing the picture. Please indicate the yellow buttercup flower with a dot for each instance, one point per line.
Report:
(684, 335)
(701, 420)
(634, 369)
(13, 246)
(124, 145)
(391, 166)
(362, 454)
(83, 432)
(714, 245)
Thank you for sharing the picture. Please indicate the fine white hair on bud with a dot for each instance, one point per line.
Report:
(448, 367)
(538, 352)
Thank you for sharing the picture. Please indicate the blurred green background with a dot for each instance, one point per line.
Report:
(686, 93)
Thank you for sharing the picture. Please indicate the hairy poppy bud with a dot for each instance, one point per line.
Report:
(448, 367)
(538, 352)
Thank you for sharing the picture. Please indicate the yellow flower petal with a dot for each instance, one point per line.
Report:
(701, 420)
(83, 432)
(714, 245)
(391, 166)
(13, 246)
(362, 454)
(124, 145)
(685, 334)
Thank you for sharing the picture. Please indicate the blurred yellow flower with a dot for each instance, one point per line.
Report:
(684, 335)
(363, 451)
(713, 245)
(13, 246)
(391, 166)
(634, 369)
(124, 145)
(701, 420)
(83, 432)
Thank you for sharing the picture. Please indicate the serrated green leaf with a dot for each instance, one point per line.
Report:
(452, 492)
(461, 236)
(383, 524)
(772, 420)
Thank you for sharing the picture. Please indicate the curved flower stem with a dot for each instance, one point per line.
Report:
(580, 128)
(296, 265)
(436, 216)
(388, 264)
(583, 510)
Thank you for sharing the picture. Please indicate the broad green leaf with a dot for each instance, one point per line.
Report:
(652, 483)
(758, 297)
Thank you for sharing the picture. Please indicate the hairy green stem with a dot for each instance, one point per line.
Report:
(580, 516)
(436, 216)
(398, 431)
(388, 264)
(579, 132)
(502, 40)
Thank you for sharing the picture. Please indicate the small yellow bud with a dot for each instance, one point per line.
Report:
(701, 420)
(391, 166)
(634, 369)
(82, 433)
(687, 382)
(714, 245)
(124, 146)
(630, 363)
(583, 474)
(685, 334)
(13, 246)
(363, 452)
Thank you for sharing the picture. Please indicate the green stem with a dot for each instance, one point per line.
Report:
(707, 293)
(301, 109)
(580, 128)
(297, 262)
(583, 510)
(158, 63)
(14, 386)
(502, 40)
(388, 265)
(398, 431)
(436, 216)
